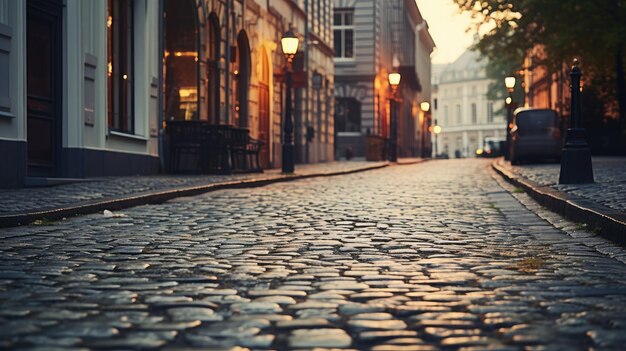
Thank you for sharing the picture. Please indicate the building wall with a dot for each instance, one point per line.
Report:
(458, 87)
(84, 134)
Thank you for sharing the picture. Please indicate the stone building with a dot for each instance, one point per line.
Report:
(464, 111)
(86, 86)
(372, 39)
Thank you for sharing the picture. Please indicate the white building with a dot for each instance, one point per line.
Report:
(78, 89)
(463, 110)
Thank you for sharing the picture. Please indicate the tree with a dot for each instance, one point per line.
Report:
(593, 30)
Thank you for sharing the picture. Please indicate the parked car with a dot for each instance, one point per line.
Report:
(535, 134)
(492, 147)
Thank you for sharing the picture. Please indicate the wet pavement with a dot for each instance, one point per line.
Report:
(435, 256)
(609, 188)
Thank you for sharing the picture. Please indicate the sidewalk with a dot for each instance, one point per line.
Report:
(600, 205)
(23, 206)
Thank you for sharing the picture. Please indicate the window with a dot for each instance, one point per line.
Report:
(343, 30)
(181, 62)
(490, 112)
(120, 65)
(458, 114)
(347, 115)
(474, 117)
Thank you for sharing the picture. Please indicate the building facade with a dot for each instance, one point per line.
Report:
(372, 39)
(71, 106)
(463, 110)
(87, 87)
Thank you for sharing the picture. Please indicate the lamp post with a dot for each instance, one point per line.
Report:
(425, 107)
(436, 130)
(289, 43)
(509, 82)
(576, 165)
(394, 81)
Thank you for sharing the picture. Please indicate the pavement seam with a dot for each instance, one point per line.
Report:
(573, 207)
(160, 196)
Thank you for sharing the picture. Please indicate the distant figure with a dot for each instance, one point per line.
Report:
(349, 153)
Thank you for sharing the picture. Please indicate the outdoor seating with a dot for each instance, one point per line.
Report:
(201, 147)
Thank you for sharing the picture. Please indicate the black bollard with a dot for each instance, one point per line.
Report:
(576, 165)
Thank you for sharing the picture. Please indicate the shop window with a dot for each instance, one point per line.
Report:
(120, 72)
(181, 61)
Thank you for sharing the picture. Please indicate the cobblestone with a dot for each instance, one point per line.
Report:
(609, 173)
(436, 256)
(43, 198)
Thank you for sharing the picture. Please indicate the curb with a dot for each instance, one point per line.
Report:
(611, 223)
(157, 197)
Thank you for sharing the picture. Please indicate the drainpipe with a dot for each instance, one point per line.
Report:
(160, 91)
(227, 74)
(306, 88)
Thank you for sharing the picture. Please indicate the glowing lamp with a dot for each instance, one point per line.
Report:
(394, 79)
(425, 106)
(509, 82)
(289, 43)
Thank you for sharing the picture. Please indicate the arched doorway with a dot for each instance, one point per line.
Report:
(213, 71)
(264, 109)
(242, 79)
(181, 60)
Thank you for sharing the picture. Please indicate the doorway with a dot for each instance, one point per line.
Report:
(43, 51)
(264, 111)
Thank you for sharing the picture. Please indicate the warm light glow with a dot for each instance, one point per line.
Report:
(508, 100)
(437, 129)
(185, 93)
(109, 21)
(183, 54)
(394, 79)
(289, 43)
(109, 69)
(125, 77)
(479, 152)
(425, 106)
(509, 82)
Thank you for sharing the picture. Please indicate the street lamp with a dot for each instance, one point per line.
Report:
(436, 130)
(394, 81)
(425, 107)
(509, 82)
(289, 43)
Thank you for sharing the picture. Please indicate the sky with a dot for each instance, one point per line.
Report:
(447, 27)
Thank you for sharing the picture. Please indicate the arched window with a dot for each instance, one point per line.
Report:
(242, 79)
(347, 115)
(181, 60)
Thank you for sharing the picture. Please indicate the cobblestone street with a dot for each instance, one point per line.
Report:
(433, 256)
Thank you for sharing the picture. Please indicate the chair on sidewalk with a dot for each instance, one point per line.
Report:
(186, 150)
